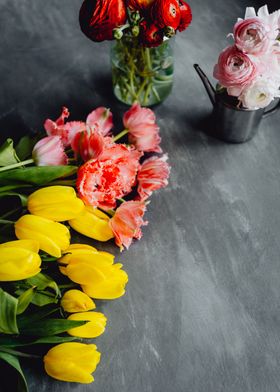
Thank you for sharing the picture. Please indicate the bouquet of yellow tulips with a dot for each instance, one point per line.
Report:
(76, 178)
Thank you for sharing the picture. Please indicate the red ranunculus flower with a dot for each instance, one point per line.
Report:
(150, 34)
(98, 18)
(127, 221)
(166, 13)
(139, 5)
(101, 181)
(186, 15)
(152, 175)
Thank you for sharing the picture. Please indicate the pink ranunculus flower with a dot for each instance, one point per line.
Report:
(103, 118)
(235, 70)
(127, 221)
(143, 132)
(252, 36)
(49, 151)
(272, 20)
(101, 181)
(153, 175)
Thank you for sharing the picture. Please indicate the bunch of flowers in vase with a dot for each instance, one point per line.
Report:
(142, 61)
(249, 70)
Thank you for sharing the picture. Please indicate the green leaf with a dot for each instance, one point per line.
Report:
(16, 342)
(43, 298)
(8, 312)
(50, 327)
(8, 154)
(22, 198)
(6, 188)
(36, 175)
(13, 361)
(24, 299)
(42, 281)
(24, 147)
(25, 319)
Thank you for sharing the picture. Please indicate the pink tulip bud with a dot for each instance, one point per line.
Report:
(49, 151)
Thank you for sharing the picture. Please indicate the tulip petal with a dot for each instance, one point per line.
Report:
(113, 290)
(83, 273)
(76, 301)
(92, 225)
(52, 236)
(72, 362)
(18, 263)
(58, 203)
(95, 327)
(25, 244)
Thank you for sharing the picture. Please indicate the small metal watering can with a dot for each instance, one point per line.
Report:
(230, 123)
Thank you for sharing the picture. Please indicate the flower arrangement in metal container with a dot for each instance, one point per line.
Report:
(142, 62)
(77, 177)
(249, 71)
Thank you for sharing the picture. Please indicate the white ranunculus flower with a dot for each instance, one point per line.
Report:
(273, 19)
(259, 94)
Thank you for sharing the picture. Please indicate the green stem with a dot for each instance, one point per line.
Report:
(120, 135)
(108, 212)
(10, 213)
(15, 165)
(6, 222)
(67, 286)
(17, 353)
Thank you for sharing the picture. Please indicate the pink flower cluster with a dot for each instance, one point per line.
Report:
(109, 170)
(250, 69)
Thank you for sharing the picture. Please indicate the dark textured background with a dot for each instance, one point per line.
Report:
(202, 308)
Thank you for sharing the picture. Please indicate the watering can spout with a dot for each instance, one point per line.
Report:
(208, 86)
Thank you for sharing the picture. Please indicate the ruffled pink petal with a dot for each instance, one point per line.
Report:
(103, 118)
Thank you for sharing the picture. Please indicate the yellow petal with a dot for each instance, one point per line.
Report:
(25, 244)
(112, 290)
(83, 273)
(95, 326)
(92, 225)
(18, 263)
(58, 203)
(76, 301)
(73, 362)
(52, 236)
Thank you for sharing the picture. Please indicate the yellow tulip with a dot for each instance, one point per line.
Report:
(93, 224)
(17, 261)
(95, 326)
(95, 271)
(25, 244)
(73, 362)
(107, 283)
(76, 301)
(53, 237)
(58, 203)
(77, 253)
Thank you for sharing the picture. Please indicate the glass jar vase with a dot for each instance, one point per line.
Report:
(141, 74)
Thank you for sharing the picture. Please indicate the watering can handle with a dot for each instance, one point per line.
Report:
(267, 113)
